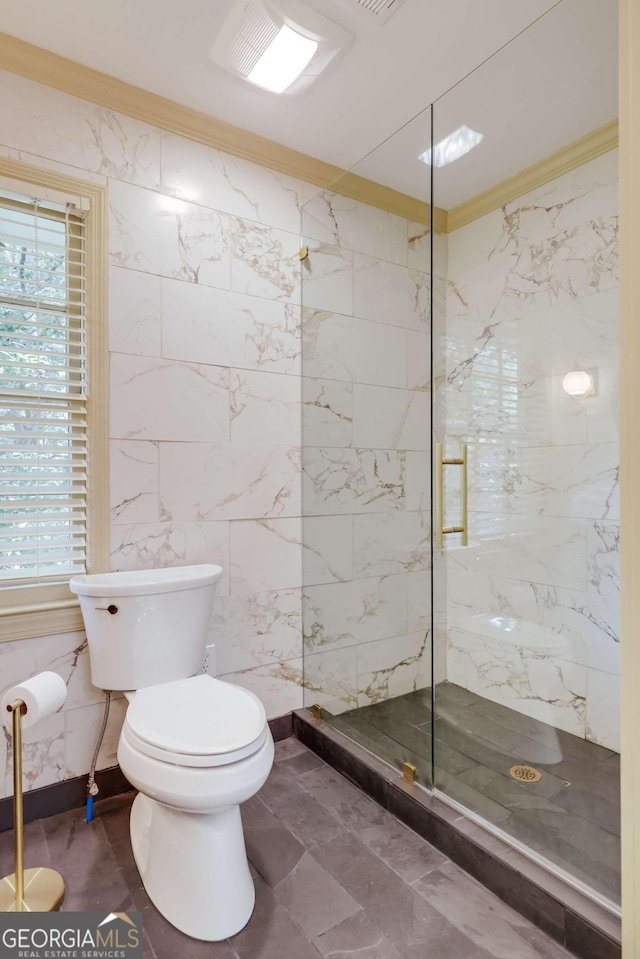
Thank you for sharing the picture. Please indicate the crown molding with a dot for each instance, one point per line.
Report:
(52, 70)
(573, 155)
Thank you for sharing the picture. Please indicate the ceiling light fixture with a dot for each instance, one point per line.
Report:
(279, 45)
(453, 147)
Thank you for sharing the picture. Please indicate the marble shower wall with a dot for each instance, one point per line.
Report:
(366, 448)
(532, 292)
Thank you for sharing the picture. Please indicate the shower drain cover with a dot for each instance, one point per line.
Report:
(525, 774)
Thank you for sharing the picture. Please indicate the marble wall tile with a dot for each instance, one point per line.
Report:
(204, 325)
(327, 412)
(538, 685)
(265, 408)
(49, 123)
(390, 418)
(353, 481)
(256, 630)
(393, 667)
(265, 555)
(134, 312)
(359, 611)
(65, 654)
(577, 481)
(419, 600)
(352, 225)
(193, 171)
(82, 727)
(159, 234)
(134, 481)
(379, 354)
(331, 679)
(417, 480)
(602, 253)
(278, 685)
(327, 278)
(603, 709)
(43, 759)
(264, 261)
(200, 482)
(156, 399)
(390, 294)
(418, 361)
(603, 558)
(387, 543)
(327, 549)
(153, 545)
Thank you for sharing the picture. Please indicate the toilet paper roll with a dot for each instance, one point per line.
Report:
(43, 695)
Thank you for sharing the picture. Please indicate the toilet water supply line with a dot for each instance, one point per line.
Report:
(92, 786)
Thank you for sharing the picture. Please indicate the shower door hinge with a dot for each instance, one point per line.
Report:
(409, 772)
(317, 711)
(303, 253)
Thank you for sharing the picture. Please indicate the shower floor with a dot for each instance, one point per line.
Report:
(571, 816)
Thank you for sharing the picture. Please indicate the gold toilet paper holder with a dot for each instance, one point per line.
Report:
(27, 890)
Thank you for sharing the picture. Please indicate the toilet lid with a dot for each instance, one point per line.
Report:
(200, 716)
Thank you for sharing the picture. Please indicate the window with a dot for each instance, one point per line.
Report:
(52, 418)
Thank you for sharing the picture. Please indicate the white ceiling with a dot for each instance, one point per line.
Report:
(384, 79)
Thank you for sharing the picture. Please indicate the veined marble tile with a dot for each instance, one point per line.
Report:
(418, 480)
(538, 685)
(265, 555)
(393, 667)
(534, 549)
(82, 727)
(419, 600)
(603, 408)
(327, 278)
(386, 418)
(265, 408)
(603, 709)
(264, 261)
(277, 685)
(194, 171)
(331, 680)
(199, 482)
(356, 226)
(327, 345)
(391, 294)
(386, 543)
(156, 399)
(418, 361)
(573, 481)
(43, 760)
(603, 555)
(46, 163)
(353, 481)
(65, 654)
(134, 312)
(134, 484)
(256, 630)
(204, 325)
(380, 354)
(155, 233)
(156, 545)
(49, 123)
(602, 253)
(327, 412)
(346, 614)
(327, 549)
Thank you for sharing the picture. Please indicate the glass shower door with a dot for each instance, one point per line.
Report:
(366, 302)
(525, 377)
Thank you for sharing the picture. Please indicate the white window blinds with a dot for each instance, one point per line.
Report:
(43, 391)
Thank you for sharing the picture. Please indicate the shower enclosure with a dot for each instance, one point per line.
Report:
(460, 458)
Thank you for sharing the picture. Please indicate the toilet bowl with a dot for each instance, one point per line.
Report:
(193, 746)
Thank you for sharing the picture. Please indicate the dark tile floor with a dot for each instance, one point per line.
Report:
(572, 816)
(336, 876)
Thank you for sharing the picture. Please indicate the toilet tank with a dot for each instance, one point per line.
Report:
(148, 626)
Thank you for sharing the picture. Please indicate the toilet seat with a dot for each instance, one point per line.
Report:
(200, 721)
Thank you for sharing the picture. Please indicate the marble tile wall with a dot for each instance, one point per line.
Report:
(532, 292)
(366, 441)
(205, 385)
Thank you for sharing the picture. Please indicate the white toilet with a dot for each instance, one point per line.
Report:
(195, 747)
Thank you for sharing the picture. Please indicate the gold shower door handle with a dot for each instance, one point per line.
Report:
(441, 529)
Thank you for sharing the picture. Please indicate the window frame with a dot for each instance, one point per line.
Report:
(45, 610)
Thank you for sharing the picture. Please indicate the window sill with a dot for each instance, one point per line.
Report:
(46, 619)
